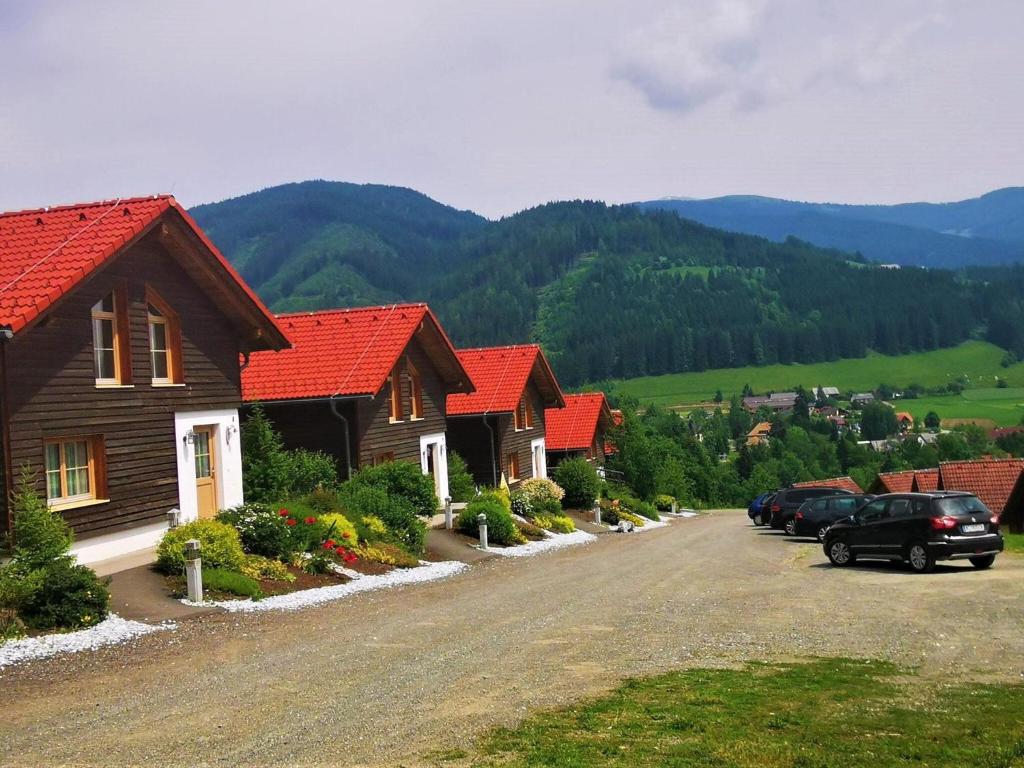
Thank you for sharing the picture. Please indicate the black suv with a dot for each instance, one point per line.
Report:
(787, 501)
(815, 516)
(919, 528)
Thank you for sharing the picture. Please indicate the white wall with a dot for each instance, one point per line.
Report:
(440, 461)
(539, 455)
(228, 451)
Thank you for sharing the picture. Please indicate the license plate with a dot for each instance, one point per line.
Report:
(973, 528)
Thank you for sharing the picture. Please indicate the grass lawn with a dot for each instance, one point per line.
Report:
(840, 713)
(1014, 542)
(1004, 407)
(977, 360)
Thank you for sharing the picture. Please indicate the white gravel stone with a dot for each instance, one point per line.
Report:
(307, 597)
(110, 631)
(551, 542)
(649, 525)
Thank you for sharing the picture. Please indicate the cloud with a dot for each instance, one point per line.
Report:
(696, 53)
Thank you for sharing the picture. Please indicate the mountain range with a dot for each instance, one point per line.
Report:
(611, 291)
(984, 230)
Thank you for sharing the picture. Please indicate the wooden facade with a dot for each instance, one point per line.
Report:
(51, 391)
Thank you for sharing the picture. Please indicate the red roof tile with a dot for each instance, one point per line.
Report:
(926, 480)
(895, 482)
(342, 352)
(991, 480)
(846, 483)
(46, 253)
(574, 427)
(500, 375)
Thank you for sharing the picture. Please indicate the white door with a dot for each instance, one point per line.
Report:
(540, 458)
(434, 462)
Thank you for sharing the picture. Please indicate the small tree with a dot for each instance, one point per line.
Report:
(932, 420)
(580, 481)
(878, 421)
(41, 535)
(719, 397)
(460, 483)
(265, 462)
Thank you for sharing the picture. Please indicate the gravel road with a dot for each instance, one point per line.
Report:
(383, 677)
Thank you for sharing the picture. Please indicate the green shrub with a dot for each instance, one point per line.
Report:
(541, 490)
(404, 527)
(339, 529)
(262, 530)
(529, 530)
(16, 587)
(68, 597)
(265, 462)
(561, 524)
(613, 511)
(644, 509)
(41, 535)
(309, 471)
(372, 528)
(221, 546)
(322, 500)
(501, 527)
(232, 582)
(663, 502)
(258, 567)
(402, 479)
(580, 481)
(388, 554)
(460, 483)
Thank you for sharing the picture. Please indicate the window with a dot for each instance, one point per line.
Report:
(844, 504)
(522, 418)
(73, 471)
(899, 508)
(819, 505)
(164, 340)
(395, 385)
(874, 511)
(110, 350)
(415, 393)
(513, 466)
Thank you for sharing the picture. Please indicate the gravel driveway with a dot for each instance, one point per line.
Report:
(388, 675)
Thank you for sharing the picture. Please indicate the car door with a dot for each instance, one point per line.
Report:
(896, 529)
(866, 535)
(840, 508)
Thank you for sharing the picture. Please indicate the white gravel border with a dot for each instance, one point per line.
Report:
(307, 597)
(111, 631)
(551, 542)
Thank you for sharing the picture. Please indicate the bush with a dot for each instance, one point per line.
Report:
(16, 587)
(372, 528)
(529, 530)
(561, 524)
(322, 500)
(220, 542)
(402, 479)
(501, 527)
(257, 567)
(540, 490)
(460, 483)
(68, 597)
(399, 516)
(663, 502)
(265, 462)
(232, 582)
(262, 530)
(580, 481)
(388, 554)
(310, 471)
(340, 529)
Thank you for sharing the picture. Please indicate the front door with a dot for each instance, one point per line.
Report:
(206, 471)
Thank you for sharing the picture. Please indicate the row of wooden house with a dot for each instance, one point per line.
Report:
(130, 349)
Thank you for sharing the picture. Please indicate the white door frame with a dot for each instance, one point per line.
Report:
(227, 453)
(539, 457)
(438, 444)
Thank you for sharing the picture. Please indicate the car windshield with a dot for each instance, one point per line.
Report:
(961, 505)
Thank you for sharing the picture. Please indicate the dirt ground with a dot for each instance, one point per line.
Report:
(383, 677)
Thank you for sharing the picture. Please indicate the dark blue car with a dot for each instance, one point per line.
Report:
(754, 511)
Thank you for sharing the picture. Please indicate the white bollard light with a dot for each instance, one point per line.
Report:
(481, 521)
(449, 522)
(173, 518)
(597, 514)
(194, 571)
(675, 508)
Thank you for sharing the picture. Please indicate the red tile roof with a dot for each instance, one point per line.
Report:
(991, 480)
(500, 375)
(574, 427)
(847, 483)
(895, 482)
(45, 253)
(345, 352)
(926, 480)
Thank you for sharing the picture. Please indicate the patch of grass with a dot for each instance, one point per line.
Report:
(979, 361)
(219, 580)
(1003, 407)
(835, 712)
(1014, 542)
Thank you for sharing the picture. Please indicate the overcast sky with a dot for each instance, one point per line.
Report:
(497, 107)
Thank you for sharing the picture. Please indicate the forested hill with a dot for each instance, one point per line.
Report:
(985, 230)
(610, 291)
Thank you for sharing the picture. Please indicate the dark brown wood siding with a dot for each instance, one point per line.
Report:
(312, 425)
(468, 437)
(52, 389)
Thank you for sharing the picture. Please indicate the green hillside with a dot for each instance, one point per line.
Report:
(979, 362)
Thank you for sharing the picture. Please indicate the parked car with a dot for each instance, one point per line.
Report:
(816, 515)
(919, 528)
(787, 501)
(754, 511)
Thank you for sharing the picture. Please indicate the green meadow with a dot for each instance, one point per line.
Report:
(978, 362)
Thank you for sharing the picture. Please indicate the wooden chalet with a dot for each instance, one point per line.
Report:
(578, 430)
(365, 386)
(121, 328)
(499, 429)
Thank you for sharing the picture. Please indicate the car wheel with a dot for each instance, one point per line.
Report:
(757, 519)
(983, 562)
(920, 558)
(790, 527)
(839, 553)
(764, 519)
(821, 532)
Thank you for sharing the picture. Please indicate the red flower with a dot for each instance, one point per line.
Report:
(290, 521)
(350, 557)
(340, 550)
(346, 535)
(309, 520)
(283, 512)
(329, 544)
